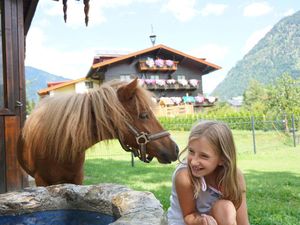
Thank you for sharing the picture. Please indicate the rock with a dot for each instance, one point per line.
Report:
(126, 205)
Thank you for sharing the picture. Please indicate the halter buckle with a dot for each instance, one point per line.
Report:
(142, 139)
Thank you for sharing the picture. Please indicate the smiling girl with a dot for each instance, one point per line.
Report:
(207, 187)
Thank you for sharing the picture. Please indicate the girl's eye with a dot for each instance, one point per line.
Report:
(204, 156)
(144, 116)
(190, 151)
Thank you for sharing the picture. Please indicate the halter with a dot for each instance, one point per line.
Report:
(142, 138)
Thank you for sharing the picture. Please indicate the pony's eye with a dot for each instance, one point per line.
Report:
(144, 116)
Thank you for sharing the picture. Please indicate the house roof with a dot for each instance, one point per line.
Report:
(64, 84)
(202, 64)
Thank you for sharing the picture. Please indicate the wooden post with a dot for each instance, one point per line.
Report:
(253, 133)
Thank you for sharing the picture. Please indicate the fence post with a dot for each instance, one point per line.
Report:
(253, 134)
(293, 129)
(132, 160)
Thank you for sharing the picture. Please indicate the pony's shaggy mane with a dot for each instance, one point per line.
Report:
(65, 125)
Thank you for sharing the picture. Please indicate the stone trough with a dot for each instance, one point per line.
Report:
(125, 205)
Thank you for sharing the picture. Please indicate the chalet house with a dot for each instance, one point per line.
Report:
(163, 70)
(173, 76)
(80, 85)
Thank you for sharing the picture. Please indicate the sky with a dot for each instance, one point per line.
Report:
(220, 31)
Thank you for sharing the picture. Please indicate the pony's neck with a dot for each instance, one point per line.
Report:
(105, 133)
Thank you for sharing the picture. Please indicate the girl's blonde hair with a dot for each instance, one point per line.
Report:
(220, 137)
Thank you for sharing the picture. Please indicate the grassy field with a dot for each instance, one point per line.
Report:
(272, 174)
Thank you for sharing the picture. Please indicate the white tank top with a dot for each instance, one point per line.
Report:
(204, 201)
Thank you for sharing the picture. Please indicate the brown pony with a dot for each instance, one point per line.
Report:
(56, 134)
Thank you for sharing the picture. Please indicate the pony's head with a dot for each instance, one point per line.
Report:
(145, 136)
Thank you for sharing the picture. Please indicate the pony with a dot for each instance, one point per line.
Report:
(53, 140)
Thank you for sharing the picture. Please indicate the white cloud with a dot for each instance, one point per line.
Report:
(72, 64)
(257, 9)
(255, 38)
(289, 12)
(149, 1)
(212, 52)
(211, 81)
(182, 10)
(213, 9)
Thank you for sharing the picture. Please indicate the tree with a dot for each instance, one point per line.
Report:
(284, 96)
(255, 97)
(30, 104)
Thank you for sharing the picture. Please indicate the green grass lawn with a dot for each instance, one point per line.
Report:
(272, 174)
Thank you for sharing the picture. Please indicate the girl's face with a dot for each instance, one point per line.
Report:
(202, 158)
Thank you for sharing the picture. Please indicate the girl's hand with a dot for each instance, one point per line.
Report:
(209, 220)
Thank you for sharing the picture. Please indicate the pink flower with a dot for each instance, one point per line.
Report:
(193, 82)
(176, 100)
(199, 99)
(149, 81)
(159, 62)
(161, 82)
(169, 63)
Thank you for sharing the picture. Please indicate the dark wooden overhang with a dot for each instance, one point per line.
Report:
(29, 7)
(160, 51)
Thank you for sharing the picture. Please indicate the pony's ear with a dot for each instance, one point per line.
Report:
(126, 92)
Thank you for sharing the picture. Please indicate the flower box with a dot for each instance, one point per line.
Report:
(158, 65)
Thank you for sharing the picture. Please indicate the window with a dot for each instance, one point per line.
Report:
(1, 63)
(154, 77)
(125, 78)
(89, 84)
(180, 77)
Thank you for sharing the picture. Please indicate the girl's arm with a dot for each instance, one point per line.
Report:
(242, 212)
(185, 193)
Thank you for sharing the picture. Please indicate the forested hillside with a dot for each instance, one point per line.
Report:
(276, 53)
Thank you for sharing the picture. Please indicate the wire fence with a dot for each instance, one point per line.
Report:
(252, 134)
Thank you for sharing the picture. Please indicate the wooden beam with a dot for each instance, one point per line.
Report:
(20, 78)
(13, 170)
(2, 158)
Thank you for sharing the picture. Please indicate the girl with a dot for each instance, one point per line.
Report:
(208, 189)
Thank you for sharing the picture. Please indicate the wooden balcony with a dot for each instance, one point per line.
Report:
(143, 67)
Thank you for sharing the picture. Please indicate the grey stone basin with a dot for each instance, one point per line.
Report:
(126, 205)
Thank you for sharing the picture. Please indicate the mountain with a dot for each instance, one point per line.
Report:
(37, 79)
(276, 53)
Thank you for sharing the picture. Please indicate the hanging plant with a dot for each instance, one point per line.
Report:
(169, 63)
(171, 81)
(150, 62)
(159, 63)
(193, 82)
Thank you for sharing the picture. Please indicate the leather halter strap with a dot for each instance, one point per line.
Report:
(142, 138)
